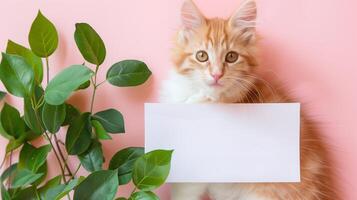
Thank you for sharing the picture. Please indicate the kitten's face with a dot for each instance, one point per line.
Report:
(216, 53)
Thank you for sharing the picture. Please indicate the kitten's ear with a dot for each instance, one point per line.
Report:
(191, 16)
(244, 19)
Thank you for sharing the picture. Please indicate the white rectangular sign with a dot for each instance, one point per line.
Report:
(227, 142)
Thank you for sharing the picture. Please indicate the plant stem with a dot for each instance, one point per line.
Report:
(133, 191)
(101, 83)
(75, 173)
(9, 180)
(33, 102)
(61, 154)
(58, 159)
(94, 83)
(48, 71)
(93, 96)
(3, 161)
(37, 196)
(94, 88)
(56, 140)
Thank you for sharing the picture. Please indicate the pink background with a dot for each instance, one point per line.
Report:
(308, 45)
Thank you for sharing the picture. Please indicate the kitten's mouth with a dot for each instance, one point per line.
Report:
(215, 84)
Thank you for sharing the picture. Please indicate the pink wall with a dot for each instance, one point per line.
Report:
(309, 45)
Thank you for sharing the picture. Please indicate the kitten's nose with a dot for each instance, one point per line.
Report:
(217, 76)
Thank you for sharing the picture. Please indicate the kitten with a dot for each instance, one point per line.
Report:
(215, 61)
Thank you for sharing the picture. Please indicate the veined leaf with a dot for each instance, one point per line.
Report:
(57, 192)
(34, 61)
(33, 158)
(111, 119)
(29, 193)
(78, 137)
(16, 143)
(128, 73)
(8, 172)
(4, 133)
(24, 178)
(123, 161)
(71, 114)
(92, 160)
(85, 85)
(141, 195)
(32, 121)
(64, 83)
(151, 170)
(100, 131)
(101, 185)
(43, 36)
(89, 44)
(55, 181)
(41, 170)
(53, 116)
(11, 121)
(16, 75)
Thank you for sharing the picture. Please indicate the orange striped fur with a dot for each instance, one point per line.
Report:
(192, 82)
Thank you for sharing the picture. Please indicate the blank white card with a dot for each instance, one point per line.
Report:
(227, 142)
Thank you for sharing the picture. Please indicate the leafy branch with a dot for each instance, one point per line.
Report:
(46, 110)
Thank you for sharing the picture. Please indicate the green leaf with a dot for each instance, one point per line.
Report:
(71, 114)
(89, 44)
(57, 192)
(100, 131)
(30, 135)
(84, 85)
(15, 143)
(53, 116)
(42, 170)
(111, 119)
(151, 170)
(78, 137)
(141, 195)
(124, 161)
(10, 171)
(128, 73)
(55, 181)
(43, 36)
(121, 198)
(11, 121)
(2, 95)
(4, 133)
(24, 178)
(31, 118)
(101, 185)
(16, 75)
(64, 83)
(33, 158)
(92, 160)
(4, 193)
(29, 193)
(29, 56)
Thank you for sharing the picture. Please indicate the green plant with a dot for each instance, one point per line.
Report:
(46, 110)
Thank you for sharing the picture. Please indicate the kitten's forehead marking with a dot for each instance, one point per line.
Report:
(216, 32)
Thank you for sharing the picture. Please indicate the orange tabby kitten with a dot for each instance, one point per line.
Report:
(216, 62)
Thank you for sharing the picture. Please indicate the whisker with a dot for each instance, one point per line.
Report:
(248, 93)
(266, 83)
(251, 85)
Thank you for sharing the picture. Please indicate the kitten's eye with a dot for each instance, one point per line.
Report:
(231, 57)
(202, 56)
